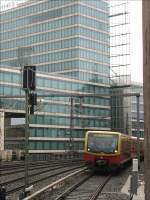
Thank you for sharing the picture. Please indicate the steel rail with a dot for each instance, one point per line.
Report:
(72, 188)
(31, 168)
(39, 180)
(37, 163)
(6, 168)
(36, 194)
(18, 165)
(100, 188)
(34, 174)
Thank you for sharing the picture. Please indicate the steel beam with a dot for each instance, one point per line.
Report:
(77, 95)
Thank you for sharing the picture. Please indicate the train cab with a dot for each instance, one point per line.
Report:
(106, 149)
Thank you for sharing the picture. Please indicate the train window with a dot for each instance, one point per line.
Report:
(102, 143)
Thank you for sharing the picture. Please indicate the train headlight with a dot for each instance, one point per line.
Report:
(88, 149)
(116, 151)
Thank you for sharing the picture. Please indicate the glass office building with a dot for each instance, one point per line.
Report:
(68, 42)
(137, 87)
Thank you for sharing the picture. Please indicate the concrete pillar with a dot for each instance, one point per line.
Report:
(146, 78)
(1, 131)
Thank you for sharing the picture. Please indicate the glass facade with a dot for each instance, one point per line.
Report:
(68, 41)
(137, 87)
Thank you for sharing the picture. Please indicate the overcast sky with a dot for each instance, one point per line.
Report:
(136, 37)
(136, 40)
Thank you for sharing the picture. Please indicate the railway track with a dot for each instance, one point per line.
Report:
(6, 172)
(11, 165)
(19, 164)
(83, 186)
(99, 189)
(88, 188)
(50, 168)
(42, 193)
(13, 187)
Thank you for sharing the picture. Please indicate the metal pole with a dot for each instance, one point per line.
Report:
(26, 139)
(71, 123)
(138, 130)
(127, 125)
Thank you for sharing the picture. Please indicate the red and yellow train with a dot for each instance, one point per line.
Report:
(111, 150)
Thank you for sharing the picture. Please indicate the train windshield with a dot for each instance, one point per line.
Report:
(98, 143)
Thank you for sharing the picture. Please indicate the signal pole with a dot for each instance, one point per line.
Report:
(29, 85)
(138, 129)
(26, 138)
(71, 123)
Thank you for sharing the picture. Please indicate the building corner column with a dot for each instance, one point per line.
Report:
(146, 79)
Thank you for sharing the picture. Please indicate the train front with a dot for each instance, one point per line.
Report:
(102, 150)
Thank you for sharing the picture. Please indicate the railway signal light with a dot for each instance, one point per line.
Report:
(29, 77)
(32, 102)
